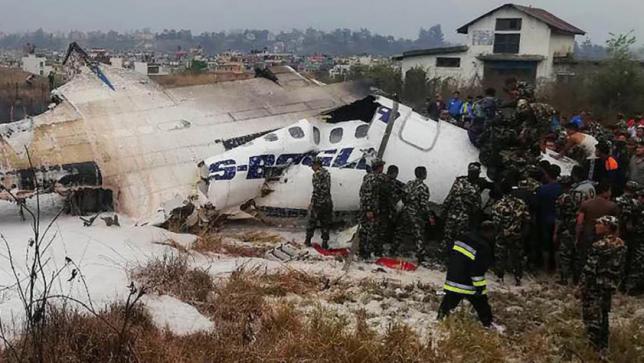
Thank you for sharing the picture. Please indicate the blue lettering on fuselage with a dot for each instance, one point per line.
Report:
(384, 114)
(257, 165)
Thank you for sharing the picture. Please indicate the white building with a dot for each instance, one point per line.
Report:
(510, 41)
(36, 65)
(150, 69)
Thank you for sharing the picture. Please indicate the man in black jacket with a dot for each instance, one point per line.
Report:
(469, 260)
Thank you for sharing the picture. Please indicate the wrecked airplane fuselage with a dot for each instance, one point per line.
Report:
(142, 141)
(274, 171)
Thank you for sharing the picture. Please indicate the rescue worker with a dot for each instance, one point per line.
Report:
(469, 260)
(461, 207)
(511, 217)
(321, 207)
(414, 214)
(393, 192)
(600, 278)
(373, 214)
(635, 278)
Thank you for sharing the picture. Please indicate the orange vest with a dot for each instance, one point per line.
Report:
(611, 164)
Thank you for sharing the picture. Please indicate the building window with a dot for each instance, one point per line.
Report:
(508, 24)
(361, 131)
(448, 62)
(506, 43)
(336, 135)
(296, 132)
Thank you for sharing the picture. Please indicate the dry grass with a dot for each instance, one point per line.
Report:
(254, 323)
(258, 237)
(172, 275)
(217, 243)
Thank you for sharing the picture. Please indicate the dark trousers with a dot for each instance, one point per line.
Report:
(545, 246)
(479, 302)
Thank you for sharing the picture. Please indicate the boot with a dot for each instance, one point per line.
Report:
(307, 242)
(325, 245)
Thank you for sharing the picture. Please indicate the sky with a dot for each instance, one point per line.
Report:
(401, 18)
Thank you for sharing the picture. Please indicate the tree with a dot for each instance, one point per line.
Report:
(430, 38)
(415, 87)
(618, 85)
(384, 77)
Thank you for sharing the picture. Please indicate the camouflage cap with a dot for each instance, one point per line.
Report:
(474, 167)
(377, 162)
(317, 161)
(611, 221)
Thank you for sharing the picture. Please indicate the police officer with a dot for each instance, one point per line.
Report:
(469, 260)
(321, 207)
(372, 211)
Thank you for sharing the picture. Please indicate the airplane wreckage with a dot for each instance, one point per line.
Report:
(145, 150)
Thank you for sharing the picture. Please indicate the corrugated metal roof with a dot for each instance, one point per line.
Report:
(432, 51)
(543, 15)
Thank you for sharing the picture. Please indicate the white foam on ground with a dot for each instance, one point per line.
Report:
(176, 315)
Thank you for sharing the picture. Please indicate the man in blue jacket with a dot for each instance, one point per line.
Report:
(455, 105)
(469, 260)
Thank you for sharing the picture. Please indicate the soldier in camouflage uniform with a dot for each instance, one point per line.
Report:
(392, 192)
(536, 121)
(565, 232)
(415, 213)
(461, 208)
(600, 278)
(599, 132)
(373, 214)
(511, 217)
(321, 208)
(635, 279)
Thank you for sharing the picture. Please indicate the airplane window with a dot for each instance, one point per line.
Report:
(316, 135)
(270, 137)
(361, 131)
(336, 135)
(296, 132)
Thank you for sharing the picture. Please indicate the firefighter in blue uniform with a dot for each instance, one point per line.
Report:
(469, 260)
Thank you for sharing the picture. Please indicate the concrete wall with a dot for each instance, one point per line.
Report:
(141, 67)
(466, 72)
(36, 65)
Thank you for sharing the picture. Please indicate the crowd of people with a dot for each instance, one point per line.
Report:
(584, 228)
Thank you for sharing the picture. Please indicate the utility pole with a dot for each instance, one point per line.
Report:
(390, 125)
